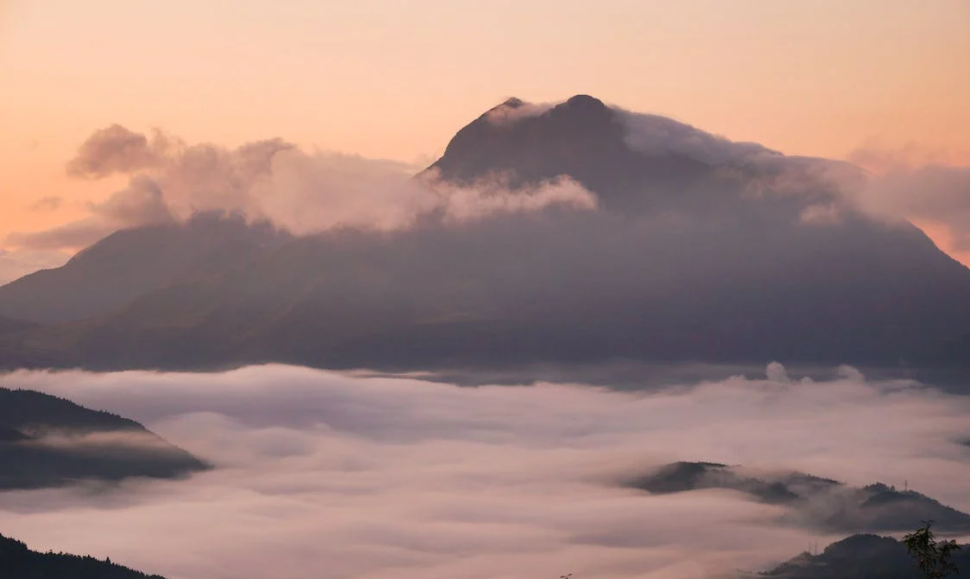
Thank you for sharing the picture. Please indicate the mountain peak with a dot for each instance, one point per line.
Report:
(586, 110)
(586, 102)
(582, 138)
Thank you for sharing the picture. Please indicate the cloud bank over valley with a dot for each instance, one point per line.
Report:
(322, 474)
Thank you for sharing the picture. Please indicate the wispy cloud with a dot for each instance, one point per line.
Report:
(271, 180)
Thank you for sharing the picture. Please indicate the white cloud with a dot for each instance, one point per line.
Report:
(272, 180)
(658, 135)
(514, 110)
(329, 475)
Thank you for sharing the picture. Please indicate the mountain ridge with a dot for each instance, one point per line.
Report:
(856, 557)
(46, 441)
(701, 249)
(131, 262)
(821, 503)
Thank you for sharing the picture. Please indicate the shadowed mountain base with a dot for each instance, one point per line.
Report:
(19, 562)
(47, 441)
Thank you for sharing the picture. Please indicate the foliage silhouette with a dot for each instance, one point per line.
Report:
(933, 557)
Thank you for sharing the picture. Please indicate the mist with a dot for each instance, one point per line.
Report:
(324, 474)
(271, 180)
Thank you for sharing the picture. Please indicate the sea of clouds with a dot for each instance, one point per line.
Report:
(331, 475)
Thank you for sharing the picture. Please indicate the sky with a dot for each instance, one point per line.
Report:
(395, 79)
(322, 474)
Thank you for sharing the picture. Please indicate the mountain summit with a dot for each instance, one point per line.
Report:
(581, 137)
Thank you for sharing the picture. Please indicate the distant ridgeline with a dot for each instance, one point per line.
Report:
(811, 501)
(858, 557)
(48, 441)
(19, 562)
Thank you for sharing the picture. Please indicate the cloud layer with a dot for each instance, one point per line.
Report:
(935, 194)
(333, 475)
(270, 180)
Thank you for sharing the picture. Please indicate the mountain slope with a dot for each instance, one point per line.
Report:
(131, 262)
(812, 501)
(858, 557)
(19, 562)
(47, 441)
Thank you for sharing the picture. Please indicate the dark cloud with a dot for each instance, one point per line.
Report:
(327, 475)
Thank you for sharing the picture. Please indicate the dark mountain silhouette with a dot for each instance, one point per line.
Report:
(816, 502)
(701, 249)
(132, 262)
(8, 325)
(48, 441)
(688, 476)
(19, 562)
(582, 138)
(858, 557)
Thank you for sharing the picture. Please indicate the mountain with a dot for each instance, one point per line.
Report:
(16, 352)
(132, 262)
(811, 501)
(700, 249)
(19, 562)
(858, 557)
(582, 138)
(47, 441)
(689, 476)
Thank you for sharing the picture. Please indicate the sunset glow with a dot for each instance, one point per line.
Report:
(393, 79)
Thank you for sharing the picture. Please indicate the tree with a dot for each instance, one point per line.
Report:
(932, 556)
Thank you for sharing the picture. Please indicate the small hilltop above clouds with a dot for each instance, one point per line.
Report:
(818, 503)
(576, 232)
(47, 441)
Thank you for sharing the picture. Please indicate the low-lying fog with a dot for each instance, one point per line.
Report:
(326, 475)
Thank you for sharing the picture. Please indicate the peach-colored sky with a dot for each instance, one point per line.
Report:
(396, 78)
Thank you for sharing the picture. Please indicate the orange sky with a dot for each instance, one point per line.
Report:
(396, 78)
